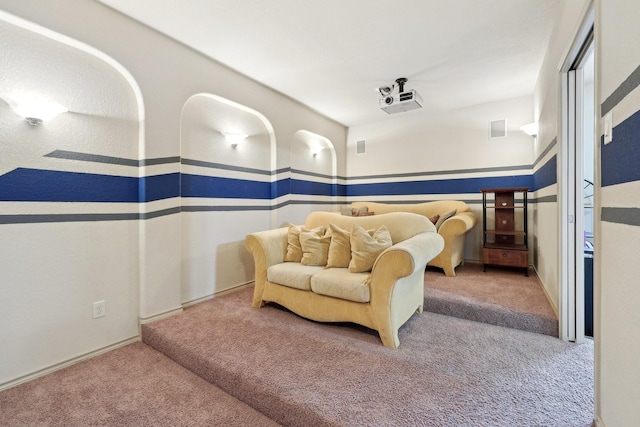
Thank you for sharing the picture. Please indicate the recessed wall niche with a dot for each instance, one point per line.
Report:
(227, 157)
(207, 123)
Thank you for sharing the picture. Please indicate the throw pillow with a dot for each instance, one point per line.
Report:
(365, 247)
(363, 211)
(294, 250)
(339, 248)
(346, 211)
(434, 219)
(445, 216)
(315, 248)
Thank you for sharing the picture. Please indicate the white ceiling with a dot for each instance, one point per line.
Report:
(331, 54)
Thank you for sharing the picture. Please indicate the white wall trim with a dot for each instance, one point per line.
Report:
(217, 294)
(565, 275)
(56, 367)
(546, 293)
(169, 313)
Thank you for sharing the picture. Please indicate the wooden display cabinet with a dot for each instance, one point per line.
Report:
(504, 243)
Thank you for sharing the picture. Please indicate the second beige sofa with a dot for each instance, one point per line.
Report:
(453, 230)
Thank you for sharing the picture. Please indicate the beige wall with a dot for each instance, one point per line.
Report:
(547, 105)
(148, 253)
(617, 271)
(616, 267)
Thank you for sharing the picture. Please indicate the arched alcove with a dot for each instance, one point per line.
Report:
(227, 164)
(76, 241)
(313, 175)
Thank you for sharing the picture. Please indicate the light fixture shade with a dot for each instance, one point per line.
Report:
(234, 138)
(530, 129)
(33, 109)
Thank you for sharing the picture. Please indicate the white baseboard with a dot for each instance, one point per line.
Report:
(546, 294)
(186, 304)
(217, 294)
(173, 312)
(56, 367)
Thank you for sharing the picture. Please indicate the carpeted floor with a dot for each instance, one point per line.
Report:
(447, 371)
(131, 386)
(502, 297)
(250, 367)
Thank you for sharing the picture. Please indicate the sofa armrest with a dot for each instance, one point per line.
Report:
(402, 260)
(458, 224)
(270, 245)
(268, 248)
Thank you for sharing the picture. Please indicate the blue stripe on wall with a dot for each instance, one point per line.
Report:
(281, 188)
(440, 186)
(547, 175)
(56, 186)
(216, 187)
(159, 187)
(620, 159)
(34, 185)
(299, 186)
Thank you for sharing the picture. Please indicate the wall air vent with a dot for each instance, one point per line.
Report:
(498, 129)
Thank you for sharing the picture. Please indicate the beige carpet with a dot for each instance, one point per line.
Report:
(131, 386)
(447, 371)
(502, 297)
(238, 366)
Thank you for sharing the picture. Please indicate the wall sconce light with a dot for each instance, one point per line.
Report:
(530, 129)
(315, 151)
(34, 110)
(234, 138)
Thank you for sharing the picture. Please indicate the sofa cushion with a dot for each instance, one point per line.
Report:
(315, 249)
(445, 216)
(294, 250)
(365, 247)
(292, 274)
(339, 247)
(340, 283)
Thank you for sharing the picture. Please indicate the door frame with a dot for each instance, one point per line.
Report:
(570, 177)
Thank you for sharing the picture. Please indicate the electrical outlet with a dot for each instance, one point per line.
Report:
(99, 309)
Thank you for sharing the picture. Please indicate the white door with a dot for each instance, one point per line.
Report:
(576, 216)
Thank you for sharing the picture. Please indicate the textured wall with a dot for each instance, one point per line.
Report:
(68, 221)
(93, 200)
(413, 158)
(617, 272)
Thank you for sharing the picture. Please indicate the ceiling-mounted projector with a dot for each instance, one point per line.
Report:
(399, 101)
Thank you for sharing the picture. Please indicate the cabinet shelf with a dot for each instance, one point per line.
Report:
(505, 232)
(501, 246)
(504, 243)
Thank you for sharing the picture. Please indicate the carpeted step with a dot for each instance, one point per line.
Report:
(499, 297)
(447, 371)
(493, 314)
(130, 386)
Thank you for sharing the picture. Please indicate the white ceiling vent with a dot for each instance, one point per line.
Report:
(498, 129)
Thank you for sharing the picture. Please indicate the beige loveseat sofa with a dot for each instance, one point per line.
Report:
(453, 229)
(382, 299)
